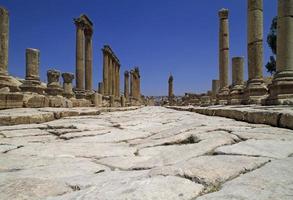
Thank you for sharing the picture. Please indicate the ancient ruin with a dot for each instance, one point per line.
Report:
(62, 139)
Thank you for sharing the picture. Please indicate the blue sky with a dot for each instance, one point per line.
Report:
(159, 36)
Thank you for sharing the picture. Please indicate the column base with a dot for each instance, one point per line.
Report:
(79, 94)
(32, 86)
(223, 96)
(10, 82)
(255, 92)
(281, 89)
(236, 95)
(54, 91)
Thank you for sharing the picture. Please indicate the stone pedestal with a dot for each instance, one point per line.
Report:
(101, 88)
(281, 89)
(98, 100)
(5, 79)
(123, 101)
(222, 97)
(112, 101)
(32, 79)
(236, 92)
(67, 85)
(11, 100)
(53, 86)
(255, 90)
(88, 59)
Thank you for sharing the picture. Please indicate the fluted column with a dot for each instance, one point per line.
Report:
(281, 90)
(88, 59)
(223, 49)
(105, 72)
(126, 85)
(79, 55)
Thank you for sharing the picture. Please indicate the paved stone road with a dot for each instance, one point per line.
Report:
(149, 153)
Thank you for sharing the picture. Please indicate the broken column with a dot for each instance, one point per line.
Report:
(255, 90)
(223, 56)
(126, 85)
(281, 89)
(236, 93)
(100, 88)
(53, 86)
(88, 58)
(170, 90)
(215, 87)
(32, 79)
(5, 80)
(67, 84)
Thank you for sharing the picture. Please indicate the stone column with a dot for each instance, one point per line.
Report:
(215, 87)
(126, 85)
(110, 75)
(281, 89)
(101, 88)
(236, 92)
(256, 88)
(32, 79)
(114, 78)
(79, 55)
(237, 71)
(53, 86)
(131, 83)
(67, 84)
(118, 80)
(4, 41)
(88, 59)
(170, 90)
(224, 49)
(105, 72)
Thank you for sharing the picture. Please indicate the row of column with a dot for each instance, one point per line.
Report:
(132, 86)
(280, 91)
(111, 72)
(84, 53)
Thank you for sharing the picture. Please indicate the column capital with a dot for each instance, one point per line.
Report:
(88, 32)
(223, 13)
(79, 23)
(67, 77)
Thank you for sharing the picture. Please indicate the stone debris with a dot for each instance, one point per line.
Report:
(145, 153)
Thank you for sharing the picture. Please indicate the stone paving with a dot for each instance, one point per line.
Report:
(146, 153)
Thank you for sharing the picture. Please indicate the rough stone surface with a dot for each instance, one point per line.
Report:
(140, 153)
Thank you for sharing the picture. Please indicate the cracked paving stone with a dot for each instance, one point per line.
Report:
(147, 153)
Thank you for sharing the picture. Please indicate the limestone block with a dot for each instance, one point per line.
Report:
(11, 100)
(32, 100)
(98, 99)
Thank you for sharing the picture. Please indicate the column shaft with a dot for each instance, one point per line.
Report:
(255, 39)
(118, 80)
(105, 73)
(4, 41)
(237, 71)
(79, 57)
(88, 62)
(110, 75)
(114, 78)
(126, 85)
(224, 48)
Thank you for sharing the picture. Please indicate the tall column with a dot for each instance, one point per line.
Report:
(114, 78)
(118, 80)
(131, 83)
(101, 88)
(79, 55)
(281, 90)
(105, 72)
(223, 49)
(256, 88)
(32, 79)
(126, 85)
(170, 90)
(88, 59)
(110, 75)
(4, 40)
